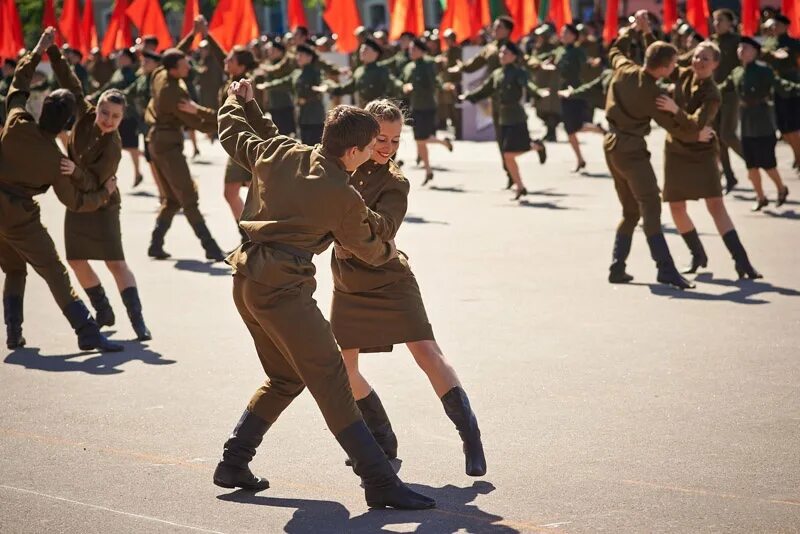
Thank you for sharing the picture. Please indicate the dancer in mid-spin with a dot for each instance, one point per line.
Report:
(690, 168)
(96, 148)
(375, 307)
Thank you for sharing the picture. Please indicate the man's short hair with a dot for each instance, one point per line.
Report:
(10, 63)
(725, 13)
(347, 127)
(244, 57)
(506, 21)
(659, 54)
(171, 57)
(57, 110)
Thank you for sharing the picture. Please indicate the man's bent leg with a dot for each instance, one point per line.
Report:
(16, 272)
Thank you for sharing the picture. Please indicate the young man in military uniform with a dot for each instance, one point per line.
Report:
(31, 164)
(489, 57)
(727, 119)
(170, 111)
(630, 106)
(302, 202)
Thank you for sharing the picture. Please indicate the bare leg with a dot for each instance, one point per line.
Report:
(422, 151)
(589, 127)
(716, 207)
(573, 142)
(775, 177)
(358, 383)
(193, 137)
(122, 274)
(793, 139)
(510, 160)
(430, 359)
(137, 171)
(234, 200)
(681, 217)
(754, 175)
(84, 273)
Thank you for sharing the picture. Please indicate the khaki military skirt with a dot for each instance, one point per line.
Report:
(374, 321)
(93, 236)
(691, 176)
(236, 174)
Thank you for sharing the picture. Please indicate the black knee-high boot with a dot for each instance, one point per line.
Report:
(743, 267)
(89, 336)
(213, 252)
(699, 258)
(667, 273)
(457, 408)
(12, 313)
(104, 314)
(130, 297)
(378, 423)
(382, 487)
(233, 470)
(622, 247)
(156, 249)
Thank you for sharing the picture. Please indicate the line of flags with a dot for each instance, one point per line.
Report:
(234, 21)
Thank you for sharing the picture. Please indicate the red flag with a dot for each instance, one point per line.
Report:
(234, 22)
(791, 8)
(407, 16)
(342, 17)
(147, 16)
(560, 13)
(751, 15)
(49, 19)
(296, 15)
(463, 17)
(192, 10)
(118, 34)
(70, 23)
(611, 26)
(697, 16)
(88, 29)
(525, 17)
(11, 39)
(670, 15)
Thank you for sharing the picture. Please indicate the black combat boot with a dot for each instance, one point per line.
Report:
(622, 247)
(457, 408)
(233, 470)
(12, 313)
(156, 249)
(213, 252)
(730, 181)
(89, 336)
(743, 267)
(667, 273)
(378, 423)
(130, 297)
(699, 258)
(104, 315)
(382, 487)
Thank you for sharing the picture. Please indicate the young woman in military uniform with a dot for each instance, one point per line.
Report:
(420, 84)
(756, 84)
(505, 87)
(375, 308)
(370, 80)
(302, 82)
(95, 147)
(690, 168)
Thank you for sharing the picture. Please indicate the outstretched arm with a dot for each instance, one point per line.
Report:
(23, 75)
(67, 78)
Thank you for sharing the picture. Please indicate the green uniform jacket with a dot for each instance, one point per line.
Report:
(301, 197)
(728, 59)
(488, 57)
(369, 82)
(422, 75)
(786, 68)
(506, 86)
(570, 61)
(311, 108)
(631, 105)
(755, 84)
(121, 80)
(31, 161)
(138, 96)
(595, 91)
(593, 48)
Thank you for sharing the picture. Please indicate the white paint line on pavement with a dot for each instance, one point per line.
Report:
(105, 509)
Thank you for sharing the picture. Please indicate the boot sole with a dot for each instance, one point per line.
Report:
(242, 486)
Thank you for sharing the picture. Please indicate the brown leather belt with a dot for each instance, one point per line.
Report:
(304, 255)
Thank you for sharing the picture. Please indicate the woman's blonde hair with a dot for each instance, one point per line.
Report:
(385, 110)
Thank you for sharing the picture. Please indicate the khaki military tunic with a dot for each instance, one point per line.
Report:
(94, 235)
(630, 106)
(209, 71)
(690, 168)
(592, 48)
(448, 99)
(300, 202)
(376, 307)
(29, 166)
(728, 117)
(100, 70)
(165, 139)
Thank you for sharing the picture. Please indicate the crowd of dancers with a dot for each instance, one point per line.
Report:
(320, 173)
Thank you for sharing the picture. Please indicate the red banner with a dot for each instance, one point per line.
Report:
(407, 16)
(296, 14)
(697, 16)
(70, 24)
(234, 22)
(670, 15)
(147, 16)
(118, 34)
(88, 28)
(342, 17)
(611, 26)
(11, 39)
(525, 17)
(791, 8)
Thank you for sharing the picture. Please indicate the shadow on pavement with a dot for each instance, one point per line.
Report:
(447, 189)
(752, 198)
(743, 291)
(412, 219)
(790, 214)
(548, 193)
(147, 194)
(544, 205)
(105, 363)
(196, 266)
(454, 513)
(595, 174)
